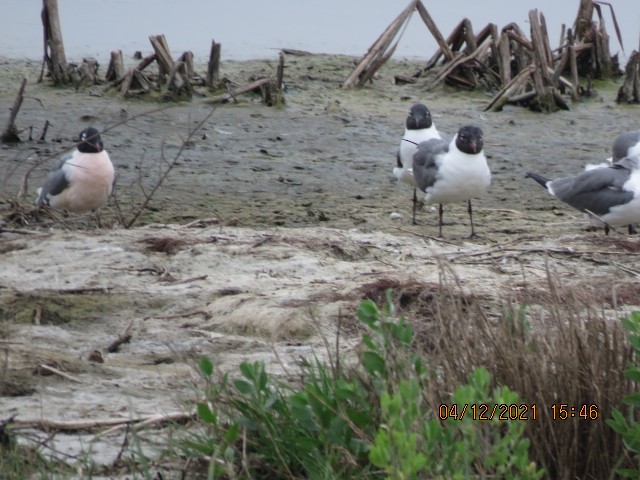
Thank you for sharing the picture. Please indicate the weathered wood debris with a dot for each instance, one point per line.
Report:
(173, 78)
(522, 70)
(178, 78)
(629, 92)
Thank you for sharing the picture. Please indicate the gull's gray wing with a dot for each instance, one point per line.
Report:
(425, 167)
(55, 183)
(596, 190)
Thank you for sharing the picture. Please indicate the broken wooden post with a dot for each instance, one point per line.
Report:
(279, 81)
(213, 68)
(88, 72)
(542, 82)
(163, 54)
(10, 134)
(629, 92)
(573, 65)
(187, 58)
(115, 70)
(54, 55)
(505, 58)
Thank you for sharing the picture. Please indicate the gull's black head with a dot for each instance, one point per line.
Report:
(90, 141)
(469, 139)
(419, 117)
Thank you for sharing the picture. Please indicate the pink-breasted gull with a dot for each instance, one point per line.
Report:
(83, 181)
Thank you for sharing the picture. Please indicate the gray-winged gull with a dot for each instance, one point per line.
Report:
(452, 171)
(419, 128)
(611, 195)
(82, 182)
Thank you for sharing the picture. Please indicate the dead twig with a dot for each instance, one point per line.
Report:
(123, 338)
(76, 425)
(170, 165)
(55, 371)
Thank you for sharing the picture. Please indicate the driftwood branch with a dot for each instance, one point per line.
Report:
(250, 87)
(78, 425)
(379, 47)
(46, 368)
(511, 89)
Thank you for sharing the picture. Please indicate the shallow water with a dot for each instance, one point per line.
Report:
(260, 28)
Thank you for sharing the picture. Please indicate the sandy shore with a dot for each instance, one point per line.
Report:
(305, 197)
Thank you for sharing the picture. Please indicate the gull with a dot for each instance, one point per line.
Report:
(452, 171)
(610, 195)
(419, 128)
(81, 182)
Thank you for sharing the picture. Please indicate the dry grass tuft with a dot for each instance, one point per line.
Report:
(566, 352)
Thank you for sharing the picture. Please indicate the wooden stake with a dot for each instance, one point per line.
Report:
(573, 64)
(505, 58)
(213, 69)
(187, 58)
(629, 92)
(10, 134)
(54, 55)
(115, 70)
(163, 55)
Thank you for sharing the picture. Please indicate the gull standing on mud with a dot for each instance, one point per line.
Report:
(82, 182)
(419, 128)
(452, 171)
(610, 195)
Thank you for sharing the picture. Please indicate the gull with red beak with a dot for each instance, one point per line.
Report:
(82, 182)
(454, 171)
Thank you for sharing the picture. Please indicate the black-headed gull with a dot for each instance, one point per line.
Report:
(82, 182)
(419, 128)
(452, 171)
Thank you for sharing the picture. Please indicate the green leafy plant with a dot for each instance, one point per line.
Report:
(371, 420)
(628, 426)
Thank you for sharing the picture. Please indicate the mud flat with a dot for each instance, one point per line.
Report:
(304, 197)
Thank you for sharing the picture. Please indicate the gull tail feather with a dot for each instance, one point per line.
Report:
(538, 178)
